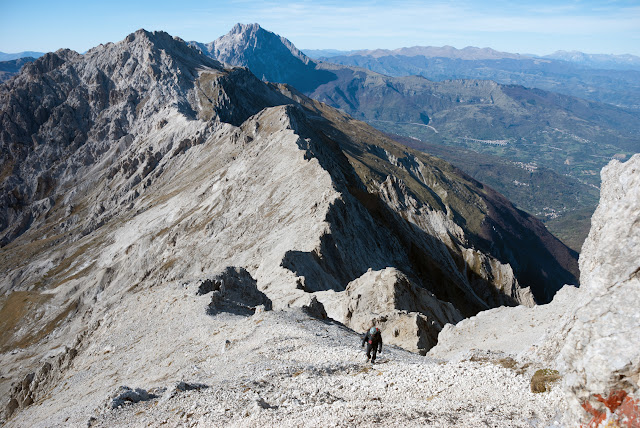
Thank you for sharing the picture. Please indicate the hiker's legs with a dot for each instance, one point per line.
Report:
(374, 350)
(369, 352)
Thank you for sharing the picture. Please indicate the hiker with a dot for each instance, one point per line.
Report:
(373, 339)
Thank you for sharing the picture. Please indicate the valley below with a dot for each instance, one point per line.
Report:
(571, 137)
(187, 241)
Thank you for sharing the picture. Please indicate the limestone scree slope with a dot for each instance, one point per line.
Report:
(144, 166)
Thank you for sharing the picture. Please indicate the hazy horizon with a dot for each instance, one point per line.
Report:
(595, 27)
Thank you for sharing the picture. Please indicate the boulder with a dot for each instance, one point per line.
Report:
(408, 315)
(235, 290)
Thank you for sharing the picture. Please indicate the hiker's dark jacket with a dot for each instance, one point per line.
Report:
(374, 340)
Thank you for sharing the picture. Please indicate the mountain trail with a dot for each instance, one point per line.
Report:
(272, 368)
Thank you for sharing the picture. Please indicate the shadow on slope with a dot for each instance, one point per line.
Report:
(491, 224)
(366, 233)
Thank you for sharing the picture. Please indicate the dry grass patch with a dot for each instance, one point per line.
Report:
(541, 380)
(17, 305)
(66, 263)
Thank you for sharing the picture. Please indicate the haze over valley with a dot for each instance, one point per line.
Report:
(198, 232)
(530, 131)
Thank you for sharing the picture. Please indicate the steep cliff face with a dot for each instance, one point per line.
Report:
(144, 163)
(601, 352)
(590, 334)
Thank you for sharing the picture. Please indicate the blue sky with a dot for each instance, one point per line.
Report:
(540, 27)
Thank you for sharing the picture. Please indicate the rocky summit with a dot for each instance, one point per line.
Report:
(269, 56)
(176, 231)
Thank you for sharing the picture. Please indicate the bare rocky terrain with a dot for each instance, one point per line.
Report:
(185, 244)
(590, 334)
(502, 120)
(232, 365)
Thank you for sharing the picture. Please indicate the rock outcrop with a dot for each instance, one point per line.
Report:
(600, 355)
(233, 289)
(518, 331)
(591, 334)
(408, 316)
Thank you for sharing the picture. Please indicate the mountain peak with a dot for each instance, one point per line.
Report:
(142, 35)
(253, 37)
(269, 56)
(158, 49)
(245, 28)
(159, 40)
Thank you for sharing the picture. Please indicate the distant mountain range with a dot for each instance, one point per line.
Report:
(12, 67)
(12, 56)
(601, 61)
(613, 79)
(531, 129)
(604, 61)
(468, 53)
(325, 53)
(10, 64)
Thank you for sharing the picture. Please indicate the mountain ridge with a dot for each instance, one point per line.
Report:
(143, 163)
(195, 249)
(609, 61)
(13, 56)
(192, 229)
(467, 53)
(12, 67)
(527, 126)
(601, 61)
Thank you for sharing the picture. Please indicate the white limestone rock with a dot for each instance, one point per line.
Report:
(591, 334)
(518, 331)
(601, 352)
(408, 316)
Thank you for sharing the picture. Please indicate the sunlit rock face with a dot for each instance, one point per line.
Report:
(601, 354)
(590, 334)
(144, 166)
